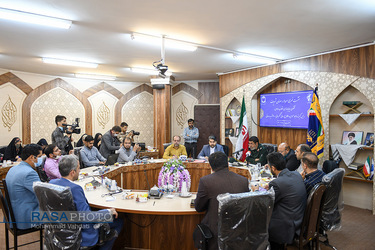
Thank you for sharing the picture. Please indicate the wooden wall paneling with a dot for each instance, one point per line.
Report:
(358, 62)
(210, 92)
(188, 89)
(103, 86)
(36, 93)
(293, 137)
(125, 98)
(162, 117)
(15, 80)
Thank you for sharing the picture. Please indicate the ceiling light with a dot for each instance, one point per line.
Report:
(149, 71)
(69, 63)
(254, 58)
(94, 76)
(26, 17)
(169, 42)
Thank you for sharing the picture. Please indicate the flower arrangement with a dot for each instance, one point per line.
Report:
(174, 173)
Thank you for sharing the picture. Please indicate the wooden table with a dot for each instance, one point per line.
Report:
(156, 224)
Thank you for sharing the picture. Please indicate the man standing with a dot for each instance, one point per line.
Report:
(127, 152)
(210, 148)
(311, 174)
(60, 137)
(290, 157)
(110, 142)
(257, 152)
(69, 170)
(123, 134)
(290, 202)
(89, 154)
(51, 165)
(210, 186)
(191, 135)
(175, 149)
(20, 179)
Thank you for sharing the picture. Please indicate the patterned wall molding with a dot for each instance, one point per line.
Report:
(103, 86)
(125, 98)
(36, 93)
(188, 89)
(16, 81)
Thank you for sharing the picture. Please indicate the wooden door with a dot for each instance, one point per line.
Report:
(207, 120)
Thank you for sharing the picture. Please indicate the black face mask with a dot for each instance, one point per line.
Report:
(18, 146)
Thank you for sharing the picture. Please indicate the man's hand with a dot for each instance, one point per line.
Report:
(101, 162)
(206, 158)
(136, 147)
(113, 211)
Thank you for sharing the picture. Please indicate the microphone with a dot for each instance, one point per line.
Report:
(238, 151)
(148, 184)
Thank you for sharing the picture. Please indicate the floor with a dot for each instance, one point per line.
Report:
(357, 232)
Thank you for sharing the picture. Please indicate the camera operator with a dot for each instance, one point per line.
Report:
(62, 135)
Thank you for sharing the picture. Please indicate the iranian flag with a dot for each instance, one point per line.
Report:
(372, 169)
(243, 137)
(366, 167)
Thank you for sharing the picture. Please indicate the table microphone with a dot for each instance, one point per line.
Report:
(238, 151)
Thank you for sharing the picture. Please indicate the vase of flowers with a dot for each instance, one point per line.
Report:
(173, 173)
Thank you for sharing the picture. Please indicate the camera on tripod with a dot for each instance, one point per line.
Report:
(74, 127)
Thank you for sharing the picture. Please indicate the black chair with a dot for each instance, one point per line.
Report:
(10, 221)
(57, 198)
(165, 145)
(42, 174)
(226, 149)
(329, 166)
(270, 147)
(333, 203)
(310, 225)
(249, 213)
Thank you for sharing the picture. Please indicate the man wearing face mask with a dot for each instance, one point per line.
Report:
(51, 166)
(20, 179)
(60, 137)
(110, 143)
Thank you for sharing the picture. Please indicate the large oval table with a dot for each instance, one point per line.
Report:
(159, 223)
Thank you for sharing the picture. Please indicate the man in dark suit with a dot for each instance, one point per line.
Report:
(110, 142)
(210, 186)
(290, 157)
(210, 148)
(69, 170)
(290, 202)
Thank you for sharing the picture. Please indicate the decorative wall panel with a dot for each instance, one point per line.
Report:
(138, 113)
(11, 99)
(103, 107)
(54, 102)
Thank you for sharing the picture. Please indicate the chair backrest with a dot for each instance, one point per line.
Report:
(226, 149)
(6, 206)
(250, 213)
(313, 211)
(40, 170)
(333, 203)
(58, 198)
(270, 147)
(329, 166)
(165, 145)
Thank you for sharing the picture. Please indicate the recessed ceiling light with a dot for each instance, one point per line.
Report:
(27, 17)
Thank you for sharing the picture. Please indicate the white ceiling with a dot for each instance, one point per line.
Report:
(100, 33)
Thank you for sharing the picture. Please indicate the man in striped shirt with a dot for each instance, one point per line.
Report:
(311, 174)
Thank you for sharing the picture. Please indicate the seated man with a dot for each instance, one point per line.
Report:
(110, 142)
(51, 165)
(127, 152)
(300, 150)
(210, 148)
(20, 179)
(69, 170)
(257, 152)
(290, 202)
(311, 174)
(175, 149)
(290, 157)
(90, 155)
(210, 186)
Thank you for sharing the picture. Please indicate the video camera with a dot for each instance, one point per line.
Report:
(135, 133)
(75, 127)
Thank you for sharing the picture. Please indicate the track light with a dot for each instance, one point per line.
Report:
(69, 63)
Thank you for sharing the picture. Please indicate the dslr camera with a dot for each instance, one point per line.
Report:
(135, 133)
(74, 126)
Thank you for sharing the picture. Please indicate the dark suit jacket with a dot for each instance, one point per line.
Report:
(206, 150)
(290, 203)
(291, 161)
(90, 235)
(109, 145)
(210, 186)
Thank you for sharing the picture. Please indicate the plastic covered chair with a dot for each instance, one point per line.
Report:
(57, 198)
(270, 147)
(311, 219)
(244, 219)
(333, 203)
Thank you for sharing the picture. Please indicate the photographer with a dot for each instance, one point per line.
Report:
(62, 135)
(110, 142)
(124, 133)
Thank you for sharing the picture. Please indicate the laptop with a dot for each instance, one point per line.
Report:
(111, 160)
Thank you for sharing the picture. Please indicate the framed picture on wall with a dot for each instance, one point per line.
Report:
(352, 137)
(369, 140)
(229, 132)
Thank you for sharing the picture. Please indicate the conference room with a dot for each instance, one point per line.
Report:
(291, 50)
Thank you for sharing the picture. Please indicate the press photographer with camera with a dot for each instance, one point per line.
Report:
(124, 133)
(62, 135)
